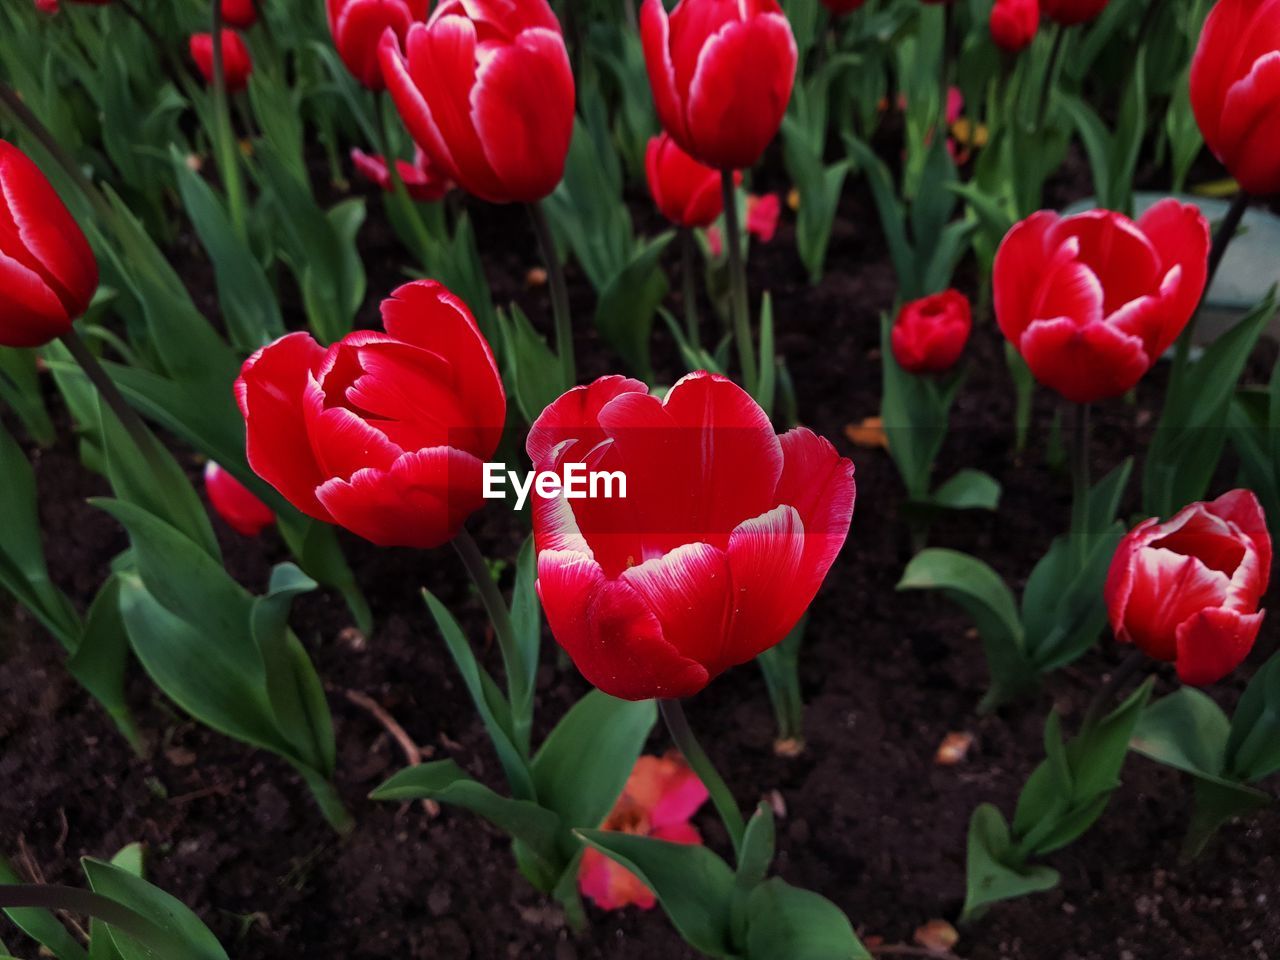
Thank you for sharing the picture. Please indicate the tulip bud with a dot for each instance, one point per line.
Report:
(47, 271)
(1091, 301)
(358, 25)
(1070, 12)
(1187, 590)
(929, 334)
(237, 65)
(687, 193)
(485, 89)
(383, 433)
(241, 14)
(724, 535)
(721, 72)
(1235, 91)
(424, 183)
(1014, 23)
(235, 503)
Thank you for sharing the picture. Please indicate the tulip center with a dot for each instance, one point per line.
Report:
(1217, 552)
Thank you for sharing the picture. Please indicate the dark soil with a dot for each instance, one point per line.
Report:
(870, 820)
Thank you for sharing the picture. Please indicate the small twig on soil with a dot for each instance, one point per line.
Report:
(217, 788)
(413, 753)
(64, 831)
(904, 950)
(32, 869)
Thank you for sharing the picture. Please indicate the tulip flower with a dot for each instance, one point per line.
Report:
(763, 213)
(1070, 12)
(47, 271)
(1235, 91)
(1092, 300)
(384, 433)
(1014, 23)
(721, 72)
(241, 14)
(237, 65)
(686, 192)
(1187, 590)
(722, 540)
(357, 27)
(424, 183)
(660, 797)
(485, 89)
(235, 503)
(929, 334)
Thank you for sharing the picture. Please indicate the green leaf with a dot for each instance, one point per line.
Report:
(1185, 730)
(443, 780)
(757, 848)
(1253, 747)
(694, 886)
(20, 389)
(994, 872)
(532, 367)
(101, 656)
(627, 304)
(1216, 803)
(526, 612)
(177, 922)
(786, 921)
(892, 215)
(915, 411)
(584, 763)
(41, 925)
(968, 490)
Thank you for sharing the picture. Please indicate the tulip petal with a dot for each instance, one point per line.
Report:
(689, 591)
(1084, 364)
(421, 501)
(1213, 642)
(575, 415)
(1018, 271)
(819, 483)
(1241, 508)
(409, 100)
(270, 392)
(1249, 131)
(1121, 257)
(30, 313)
(655, 36)
(610, 633)
(1167, 588)
(771, 587)
(1180, 235)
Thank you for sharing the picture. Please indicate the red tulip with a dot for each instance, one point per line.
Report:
(485, 88)
(660, 797)
(762, 215)
(424, 183)
(841, 7)
(687, 193)
(383, 433)
(1014, 23)
(237, 65)
(721, 73)
(929, 334)
(358, 25)
(1070, 12)
(243, 512)
(724, 535)
(1187, 590)
(1235, 90)
(241, 14)
(1092, 300)
(47, 271)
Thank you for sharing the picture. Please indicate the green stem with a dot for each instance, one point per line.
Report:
(108, 391)
(689, 286)
(1107, 692)
(228, 161)
(500, 616)
(1080, 519)
(1221, 240)
(408, 206)
(739, 304)
(559, 295)
(678, 726)
(1050, 74)
(326, 797)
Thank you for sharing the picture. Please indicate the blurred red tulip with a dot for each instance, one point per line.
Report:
(1070, 12)
(721, 73)
(485, 88)
(358, 25)
(424, 183)
(763, 212)
(687, 193)
(1091, 301)
(1235, 91)
(929, 335)
(660, 797)
(724, 535)
(237, 65)
(1014, 23)
(243, 512)
(383, 433)
(241, 14)
(841, 7)
(47, 271)
(1187, 590)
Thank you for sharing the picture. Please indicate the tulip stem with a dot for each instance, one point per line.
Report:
(559, 294)
(224, 135)
(407, 204)
(108, 391)
(689, 286)
(1222, 237)
(1114, 683)
(678, 726)
(1050, 74)
(739, 304)
(1080, 483)
(518, 689)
